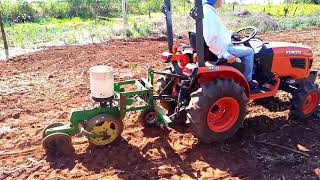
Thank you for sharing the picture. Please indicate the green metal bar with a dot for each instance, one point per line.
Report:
(134, 93)
(164, 118)
(78, 115)
(126, 95)
(150, 80)
(139, 108)
(129, 101)
(67, 129)
(126, 82)
(150, 76)
(117, 85)
(140, 86)
(147, 83)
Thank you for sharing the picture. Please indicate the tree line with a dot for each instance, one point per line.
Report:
(23, 11)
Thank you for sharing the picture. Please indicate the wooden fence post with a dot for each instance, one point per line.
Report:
(124, 11)
(5, 42)
(124, 16)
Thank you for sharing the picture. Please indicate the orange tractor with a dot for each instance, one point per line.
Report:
(213, 94)
(197, 87)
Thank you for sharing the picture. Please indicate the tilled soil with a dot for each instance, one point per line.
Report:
(40, 88)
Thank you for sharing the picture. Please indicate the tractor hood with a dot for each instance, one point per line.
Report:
(290, 49)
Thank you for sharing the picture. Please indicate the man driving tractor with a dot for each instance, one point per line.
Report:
(218, 39)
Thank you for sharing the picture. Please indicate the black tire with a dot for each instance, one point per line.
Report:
(58, 144)
(201, 103)
(161, 84)
(149, 118)
(299, 99)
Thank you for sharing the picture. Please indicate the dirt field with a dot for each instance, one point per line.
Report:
(41, 88)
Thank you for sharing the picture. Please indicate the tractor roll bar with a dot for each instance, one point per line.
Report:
(167, 10)
(199, 33)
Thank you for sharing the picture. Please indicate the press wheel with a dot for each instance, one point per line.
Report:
(149, 118)
(53, 125)
(105, 125)
(57, 144)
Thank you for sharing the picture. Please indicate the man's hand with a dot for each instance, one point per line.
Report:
(232, 59)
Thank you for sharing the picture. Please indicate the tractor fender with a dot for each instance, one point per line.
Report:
(210, 73)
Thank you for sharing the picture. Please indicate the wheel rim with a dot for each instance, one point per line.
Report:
(223, 114)
(108, 130)
(310, 103)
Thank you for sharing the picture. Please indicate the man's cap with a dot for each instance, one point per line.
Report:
(212, 2)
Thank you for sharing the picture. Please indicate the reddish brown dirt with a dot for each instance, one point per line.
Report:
(41, 88)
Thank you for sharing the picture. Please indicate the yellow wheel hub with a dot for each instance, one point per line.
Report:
(108, 130)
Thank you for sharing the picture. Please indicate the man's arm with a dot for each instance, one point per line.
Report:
(210, 30)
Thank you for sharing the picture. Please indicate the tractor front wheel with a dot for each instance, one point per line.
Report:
(217, 110)
(305, 101)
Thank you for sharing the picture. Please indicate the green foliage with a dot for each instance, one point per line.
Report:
(53, 31)
(278, 10)
(300, 22)
(58, 22)
(86, 9)
(309, 1)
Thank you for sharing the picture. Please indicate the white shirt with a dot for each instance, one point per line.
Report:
(215, 33)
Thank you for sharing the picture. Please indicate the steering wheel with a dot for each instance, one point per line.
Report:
(237, 37)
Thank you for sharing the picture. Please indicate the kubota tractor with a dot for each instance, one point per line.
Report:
(213, 94)
(197, 87)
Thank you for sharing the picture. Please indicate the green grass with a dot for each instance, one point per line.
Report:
(278, 10)
(47, 31)
(72, 31)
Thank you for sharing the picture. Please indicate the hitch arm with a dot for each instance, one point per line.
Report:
(172, 75)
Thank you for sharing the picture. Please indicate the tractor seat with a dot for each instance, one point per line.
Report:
(211, 58)
(208, 55)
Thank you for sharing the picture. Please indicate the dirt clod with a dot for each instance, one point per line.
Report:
(16, 116)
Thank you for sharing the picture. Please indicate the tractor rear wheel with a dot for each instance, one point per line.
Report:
(305, 101)
(162, 82)
(217, 110)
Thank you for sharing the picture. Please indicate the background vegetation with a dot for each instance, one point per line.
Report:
(56, 22)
